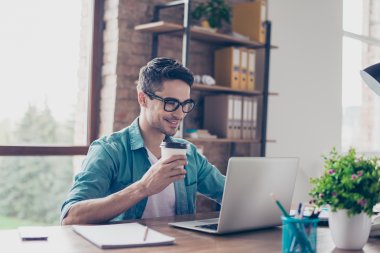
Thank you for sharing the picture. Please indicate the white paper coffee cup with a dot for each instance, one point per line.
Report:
(169, 149)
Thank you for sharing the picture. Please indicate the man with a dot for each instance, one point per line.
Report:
(123, 176)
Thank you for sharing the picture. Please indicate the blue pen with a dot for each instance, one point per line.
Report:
(299, 209)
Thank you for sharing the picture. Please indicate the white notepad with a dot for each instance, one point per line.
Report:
(122, 235)
(33, 233)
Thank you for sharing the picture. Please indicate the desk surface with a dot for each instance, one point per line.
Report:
(63, 239)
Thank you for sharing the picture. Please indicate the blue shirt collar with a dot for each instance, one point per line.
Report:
(135, 138)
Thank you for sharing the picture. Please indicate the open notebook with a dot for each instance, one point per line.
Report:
(122, 235)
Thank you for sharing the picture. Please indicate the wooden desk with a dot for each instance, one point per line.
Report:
(63, 239)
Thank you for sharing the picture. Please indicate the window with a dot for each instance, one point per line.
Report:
(51, 52)
(361, 48)
(33, 189)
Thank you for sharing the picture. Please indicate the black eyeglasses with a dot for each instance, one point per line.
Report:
(172, 104)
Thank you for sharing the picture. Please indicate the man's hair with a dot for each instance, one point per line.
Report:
(157, 71)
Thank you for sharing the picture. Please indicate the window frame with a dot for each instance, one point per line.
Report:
(369, 41)
(93, 100)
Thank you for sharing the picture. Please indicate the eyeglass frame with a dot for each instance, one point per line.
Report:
(152, 96)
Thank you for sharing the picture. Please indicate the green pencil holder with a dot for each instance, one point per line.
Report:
(299, 235)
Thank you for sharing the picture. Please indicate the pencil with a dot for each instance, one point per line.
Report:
(146, 233)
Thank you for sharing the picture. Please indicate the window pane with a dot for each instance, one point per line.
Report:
(362, 17)
(44, 60)
(33, 188)
(353, 15)
(361, 107)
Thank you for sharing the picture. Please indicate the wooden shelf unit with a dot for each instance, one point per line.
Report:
(198, 33)
(159, 27)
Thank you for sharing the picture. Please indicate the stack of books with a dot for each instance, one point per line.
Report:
(231, 116)
(235, 67)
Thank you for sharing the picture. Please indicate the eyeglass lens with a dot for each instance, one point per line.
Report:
(172, 105)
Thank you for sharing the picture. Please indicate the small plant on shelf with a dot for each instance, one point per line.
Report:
(214, 12)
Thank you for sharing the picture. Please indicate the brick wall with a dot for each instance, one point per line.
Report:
(127, 50)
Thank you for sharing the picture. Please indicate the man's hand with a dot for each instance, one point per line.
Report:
(163, 173)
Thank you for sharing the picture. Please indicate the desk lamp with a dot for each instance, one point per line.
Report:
(371, 76)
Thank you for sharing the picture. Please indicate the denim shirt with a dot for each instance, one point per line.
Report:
(116, 161)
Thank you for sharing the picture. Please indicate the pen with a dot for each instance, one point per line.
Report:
(280, 206)
(299, 210)
(146, 233)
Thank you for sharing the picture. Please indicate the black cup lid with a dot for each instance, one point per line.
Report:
(173, 145)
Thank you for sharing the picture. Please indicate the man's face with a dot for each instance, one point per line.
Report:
(167, 122)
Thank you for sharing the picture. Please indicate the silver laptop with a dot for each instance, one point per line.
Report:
(246, 202)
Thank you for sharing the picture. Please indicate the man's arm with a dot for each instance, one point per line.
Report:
(210, 180)
(103, 209)
(99, 210)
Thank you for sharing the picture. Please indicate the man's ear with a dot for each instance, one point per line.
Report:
(141, 98)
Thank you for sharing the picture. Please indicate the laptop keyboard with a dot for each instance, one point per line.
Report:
(209, 226)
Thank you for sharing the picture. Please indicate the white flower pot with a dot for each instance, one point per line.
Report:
(349, 232)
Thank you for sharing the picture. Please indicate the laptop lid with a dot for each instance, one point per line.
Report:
(247, 203)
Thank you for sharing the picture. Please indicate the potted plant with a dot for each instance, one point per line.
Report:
(350, 186)
(212, 13)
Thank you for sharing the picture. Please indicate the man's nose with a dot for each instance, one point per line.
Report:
(179, 113)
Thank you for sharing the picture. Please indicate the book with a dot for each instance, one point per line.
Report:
(227, 67)
(122, 235)
(219, 115)
(243, 74)
(249, 19)
(251, 70)
(237, 118)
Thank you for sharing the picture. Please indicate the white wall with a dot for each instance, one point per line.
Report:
(305, 119)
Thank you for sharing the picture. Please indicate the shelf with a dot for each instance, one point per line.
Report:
(221, 140)
(218, 88)
(223, 89)
(159, 27)
(226, 140)
(202, 34)
(198, 33)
